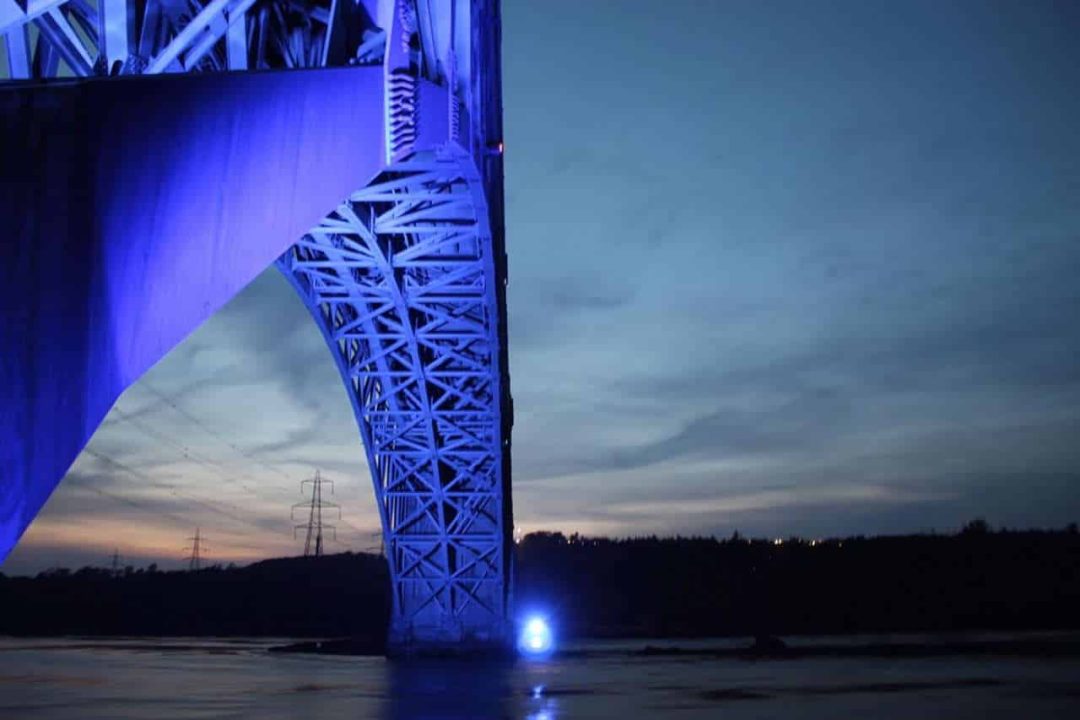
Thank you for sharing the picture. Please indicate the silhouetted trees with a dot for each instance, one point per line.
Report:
(333, 595)
(598, 587)
(977, 579)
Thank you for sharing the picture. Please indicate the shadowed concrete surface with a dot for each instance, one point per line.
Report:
(131, 211)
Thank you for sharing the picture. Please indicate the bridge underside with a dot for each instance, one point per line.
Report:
(134, 207)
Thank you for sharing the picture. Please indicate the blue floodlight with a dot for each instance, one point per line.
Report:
(536, 638)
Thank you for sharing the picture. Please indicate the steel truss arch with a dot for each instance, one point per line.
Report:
(404, 278)
(401, 281)
(84, 38)
(45, 39)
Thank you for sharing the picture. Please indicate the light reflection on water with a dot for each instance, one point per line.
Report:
(448, 690)
(455, 690)
(49, 680)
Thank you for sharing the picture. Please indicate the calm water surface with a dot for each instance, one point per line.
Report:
(202, 678)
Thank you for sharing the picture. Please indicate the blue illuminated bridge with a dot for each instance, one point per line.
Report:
(157, 155)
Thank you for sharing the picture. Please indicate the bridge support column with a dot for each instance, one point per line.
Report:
(401, 280)
(173, 196)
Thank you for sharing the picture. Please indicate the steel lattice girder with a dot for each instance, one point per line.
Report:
(401, 281)
(81, 38)
(404, 278)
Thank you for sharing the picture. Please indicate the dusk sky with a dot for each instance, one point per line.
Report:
(790, 268)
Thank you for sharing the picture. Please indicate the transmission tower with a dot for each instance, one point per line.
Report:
(195, 555)
(381, 547)
(115, 570)
(313, 543)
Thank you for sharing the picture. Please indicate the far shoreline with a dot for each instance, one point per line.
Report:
(1041, 644)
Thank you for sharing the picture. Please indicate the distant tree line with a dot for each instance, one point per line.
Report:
(686, 587)
(333, 595)
(978, 579)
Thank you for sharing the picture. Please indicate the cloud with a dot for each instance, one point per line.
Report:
(547, 311)
(573, 295)
(809, 291)
(801, 424)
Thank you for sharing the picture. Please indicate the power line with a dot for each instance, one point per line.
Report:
(210, 431)
(126, 501)
(216, 467)
(187, 452)
(381, 547)
(171, 402)
(171, 488)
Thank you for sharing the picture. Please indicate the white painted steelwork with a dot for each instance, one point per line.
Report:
(405, 277)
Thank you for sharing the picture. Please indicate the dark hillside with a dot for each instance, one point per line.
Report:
(342, 594)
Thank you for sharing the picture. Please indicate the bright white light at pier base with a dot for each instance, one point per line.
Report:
(536, 638)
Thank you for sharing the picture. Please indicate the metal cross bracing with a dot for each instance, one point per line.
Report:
(401, 281)
(404, 278)
(81, 38)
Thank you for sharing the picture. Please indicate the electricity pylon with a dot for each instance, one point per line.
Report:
(194, 557)
(405, 276)
(381, 547)
(313, 543)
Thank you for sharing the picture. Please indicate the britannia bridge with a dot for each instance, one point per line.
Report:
(157, 155)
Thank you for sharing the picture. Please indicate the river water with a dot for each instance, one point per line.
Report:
(239, 679)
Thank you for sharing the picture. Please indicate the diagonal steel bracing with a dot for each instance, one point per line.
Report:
(401, 278)
(83, 38)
